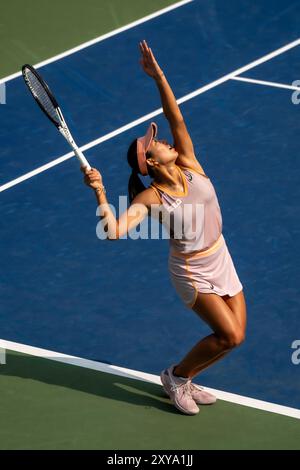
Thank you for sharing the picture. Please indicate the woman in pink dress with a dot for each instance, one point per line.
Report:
(200, 265)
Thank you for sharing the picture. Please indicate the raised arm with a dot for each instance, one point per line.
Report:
(182, 140)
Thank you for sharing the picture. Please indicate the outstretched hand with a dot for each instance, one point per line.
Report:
(148, 62)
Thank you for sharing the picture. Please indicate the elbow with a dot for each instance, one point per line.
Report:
(113, 236)
(112, 233)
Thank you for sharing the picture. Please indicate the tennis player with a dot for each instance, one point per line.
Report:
(200, 265)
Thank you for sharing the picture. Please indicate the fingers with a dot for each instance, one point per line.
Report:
(145, 46)
(92, 173)
(141, 47)
(149, 55)
(148, 51)
(85, 170)
(143, 52)
(91, 176)
(144, 49)
(152, 56)
(147, 60)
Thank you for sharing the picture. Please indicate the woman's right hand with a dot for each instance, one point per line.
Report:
(92, 178)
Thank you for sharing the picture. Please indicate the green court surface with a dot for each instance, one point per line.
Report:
(50, 405)
(33, 31)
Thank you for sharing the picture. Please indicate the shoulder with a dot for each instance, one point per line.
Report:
(148, 197)
(189, 163)
(193, 169)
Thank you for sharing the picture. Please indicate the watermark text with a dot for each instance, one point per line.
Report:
(2, 93)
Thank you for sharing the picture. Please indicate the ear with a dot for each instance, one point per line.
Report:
(150, 162)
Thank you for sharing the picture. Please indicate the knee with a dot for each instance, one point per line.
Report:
(232, 339)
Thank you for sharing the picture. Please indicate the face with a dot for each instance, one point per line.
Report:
(162, 152)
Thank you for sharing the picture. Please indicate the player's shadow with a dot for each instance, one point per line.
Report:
(105, 385)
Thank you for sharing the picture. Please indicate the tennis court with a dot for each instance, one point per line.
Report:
(85, 346)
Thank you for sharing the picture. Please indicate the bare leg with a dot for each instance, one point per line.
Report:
(227, 318)
(237, 304)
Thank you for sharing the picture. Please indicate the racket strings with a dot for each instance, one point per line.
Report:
(41, 95)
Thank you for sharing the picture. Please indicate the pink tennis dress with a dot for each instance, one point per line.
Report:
(199, 259)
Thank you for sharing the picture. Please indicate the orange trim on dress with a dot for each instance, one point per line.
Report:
(172, 193)
(201, 254)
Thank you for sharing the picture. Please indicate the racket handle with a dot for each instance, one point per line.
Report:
(63, 129)
(81, 157)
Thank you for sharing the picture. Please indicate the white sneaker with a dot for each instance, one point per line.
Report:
(179, 392)
(200, 395)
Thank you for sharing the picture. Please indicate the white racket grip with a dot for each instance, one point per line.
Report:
(81, 157)
(63, 129)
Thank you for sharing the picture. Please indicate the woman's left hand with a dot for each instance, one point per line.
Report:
(92, 178)
(148, 62)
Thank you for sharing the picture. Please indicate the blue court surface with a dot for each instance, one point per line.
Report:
(65, 290)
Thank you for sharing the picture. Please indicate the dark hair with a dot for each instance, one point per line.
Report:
(135, 185)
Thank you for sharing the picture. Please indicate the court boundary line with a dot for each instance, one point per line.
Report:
(98, 39)
(266, 83)
(139, 375)
(144, 118)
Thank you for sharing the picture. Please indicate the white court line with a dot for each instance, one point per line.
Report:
(2, 356)
(144, 118)
(138, 375)
(101, 38)
(263, 82)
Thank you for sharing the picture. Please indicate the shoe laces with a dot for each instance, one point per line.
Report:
(195, 387)
(184, 386)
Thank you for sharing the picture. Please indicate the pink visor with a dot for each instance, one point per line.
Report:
(143, 144)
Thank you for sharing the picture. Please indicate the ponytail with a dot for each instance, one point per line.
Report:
(135, 185)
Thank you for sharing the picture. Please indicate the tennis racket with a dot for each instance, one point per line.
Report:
(48, 104)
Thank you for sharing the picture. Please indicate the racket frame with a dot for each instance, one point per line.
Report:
(61, 125)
